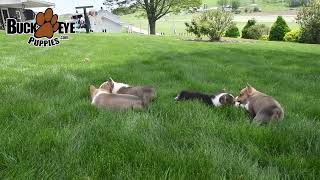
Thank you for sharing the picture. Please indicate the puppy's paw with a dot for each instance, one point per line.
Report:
(237, 104)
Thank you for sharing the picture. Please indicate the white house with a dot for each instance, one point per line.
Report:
(104, 21)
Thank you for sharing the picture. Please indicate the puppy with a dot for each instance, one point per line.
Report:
(262, 107)
(146, 93)
(103, 99)
(217, 100)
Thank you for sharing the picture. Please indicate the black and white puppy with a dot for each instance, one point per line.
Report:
(217, 100)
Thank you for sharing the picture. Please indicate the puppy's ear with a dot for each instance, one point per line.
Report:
(93, 91)
(250, 90)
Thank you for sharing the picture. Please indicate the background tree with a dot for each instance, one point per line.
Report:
(223, 2)
(297, 3)
(235, 4)
(110, 4)
(211, 23)
(309, 21)
(156, 9)
(278, 30)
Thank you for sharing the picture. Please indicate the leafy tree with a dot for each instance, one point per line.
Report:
(235, 4)
(110, 4)
(250, 23)
(211, 23)
(156, 9)
(124, 10)
(278, 30)
(223, 2)
(309, 21)
(297, 3)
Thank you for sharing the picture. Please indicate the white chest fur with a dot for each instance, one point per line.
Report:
(117, 86)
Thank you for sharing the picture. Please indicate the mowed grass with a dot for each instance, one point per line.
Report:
(49, 130)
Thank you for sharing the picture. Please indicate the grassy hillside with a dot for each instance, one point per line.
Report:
(265, 5)
(48, 128)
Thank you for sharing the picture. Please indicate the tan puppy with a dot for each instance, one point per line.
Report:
(102, 98)
(262, 107)
(146, 93)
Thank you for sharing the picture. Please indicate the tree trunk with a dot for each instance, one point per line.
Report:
(152, 26)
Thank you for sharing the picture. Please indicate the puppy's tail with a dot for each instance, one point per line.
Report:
(278, 114)
(93, 91)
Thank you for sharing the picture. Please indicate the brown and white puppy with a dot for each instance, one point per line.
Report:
(146, 93)
(103, 99)
(262, 107)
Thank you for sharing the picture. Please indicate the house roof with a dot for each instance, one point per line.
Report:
(110, 16)
(25, 3)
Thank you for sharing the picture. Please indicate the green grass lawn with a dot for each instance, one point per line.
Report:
(49, 130)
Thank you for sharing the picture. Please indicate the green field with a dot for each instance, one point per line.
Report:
(49, 130)
(264, 5)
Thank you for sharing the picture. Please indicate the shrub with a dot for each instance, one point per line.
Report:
(256, 9)
(257, 31)
(264, 37)
(194, 27)
(309, 21)
(232, 31)
(238, 11)
(250, 23)
(278, 30)
(211, 23)
(293, 36)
